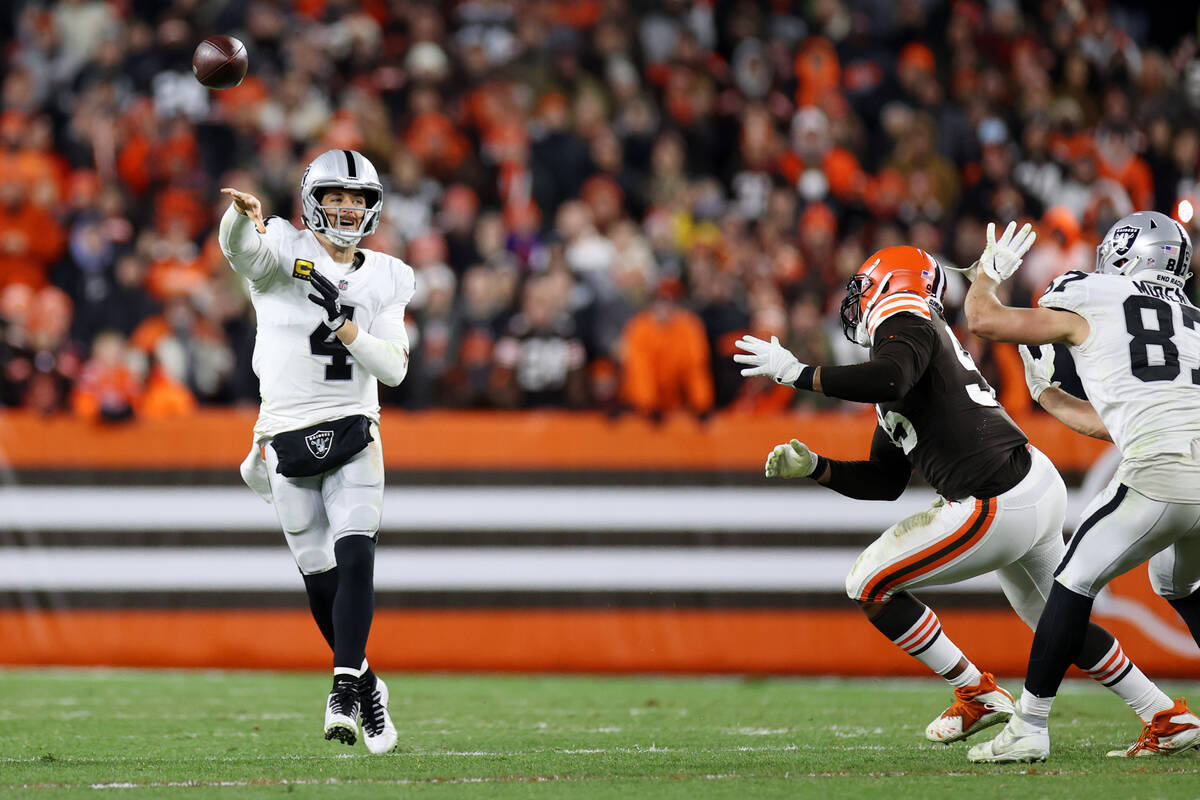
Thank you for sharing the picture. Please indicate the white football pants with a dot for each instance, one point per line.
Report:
(1121, 528)
(317, 511)
(1017, 535)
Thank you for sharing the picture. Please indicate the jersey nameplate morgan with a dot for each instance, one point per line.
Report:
(302, 269)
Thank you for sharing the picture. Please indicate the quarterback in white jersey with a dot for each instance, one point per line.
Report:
(1135, 338)
(330, 324)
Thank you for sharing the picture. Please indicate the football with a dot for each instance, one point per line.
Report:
(220, 62)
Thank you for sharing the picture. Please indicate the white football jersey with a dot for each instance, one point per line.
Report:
(303, 379)
(1140, 367)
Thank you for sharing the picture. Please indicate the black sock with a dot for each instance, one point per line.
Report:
(322, 588)
(355, 601)
(898, 615)
(1096, 643)
(1058, 640)
(1189, 608)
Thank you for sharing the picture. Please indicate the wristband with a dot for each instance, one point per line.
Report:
(806, 378)
(819, 469)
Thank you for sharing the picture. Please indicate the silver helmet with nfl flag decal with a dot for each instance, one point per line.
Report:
(340, 169)
(1146, 241)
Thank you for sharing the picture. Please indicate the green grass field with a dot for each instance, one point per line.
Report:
(209, 734)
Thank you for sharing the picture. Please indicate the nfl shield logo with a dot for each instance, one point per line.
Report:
(319, 443)
(1124, 238)
(343, 285)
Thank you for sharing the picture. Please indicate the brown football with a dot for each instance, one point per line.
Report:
(220, 62)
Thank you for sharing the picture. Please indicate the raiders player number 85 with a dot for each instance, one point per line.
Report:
(330, 324)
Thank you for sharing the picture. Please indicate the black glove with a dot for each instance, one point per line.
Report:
(328, 300)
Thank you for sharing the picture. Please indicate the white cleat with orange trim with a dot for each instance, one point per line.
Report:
(975, 707)
(1170, 732)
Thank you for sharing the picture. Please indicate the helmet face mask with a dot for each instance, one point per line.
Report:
(852, 307)
(347, 170)
(1146, 242)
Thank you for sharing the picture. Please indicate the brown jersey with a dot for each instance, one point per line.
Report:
(949, 424)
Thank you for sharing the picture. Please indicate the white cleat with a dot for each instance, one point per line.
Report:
(378, 731)
(975, 707)
(1170, 732)
(341, 714)
(1018, 741)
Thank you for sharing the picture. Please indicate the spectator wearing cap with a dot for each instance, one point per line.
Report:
(665, 358)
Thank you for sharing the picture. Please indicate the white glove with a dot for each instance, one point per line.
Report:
(1039, 370)
(254, 473)
(791, 460)
(1000, 259)
(768, 359)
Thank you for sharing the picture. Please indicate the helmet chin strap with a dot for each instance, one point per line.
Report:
(860, 333)
(1129, 266)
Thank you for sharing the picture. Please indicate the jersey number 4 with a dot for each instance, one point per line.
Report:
(340, 368)
(1160, 336)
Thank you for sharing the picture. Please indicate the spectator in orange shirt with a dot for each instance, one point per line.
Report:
(108, 390)
(666, 358)
(30, 238)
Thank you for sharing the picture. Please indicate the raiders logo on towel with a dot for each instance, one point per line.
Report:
(321, 447)
(319, 443)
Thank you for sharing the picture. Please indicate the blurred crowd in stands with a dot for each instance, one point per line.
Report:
(598, 197)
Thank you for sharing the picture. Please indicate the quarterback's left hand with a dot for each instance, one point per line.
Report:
(1001, 257)
(327, 298)
(768, 358)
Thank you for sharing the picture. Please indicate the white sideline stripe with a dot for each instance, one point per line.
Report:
(479, 568)
(790, 509)
(582, 751)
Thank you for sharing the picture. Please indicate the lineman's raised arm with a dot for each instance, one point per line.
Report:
(989, 318)
(240, 236)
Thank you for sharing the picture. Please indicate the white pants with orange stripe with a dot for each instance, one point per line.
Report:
(1121, 528)
(1017, 535)
(315, 512)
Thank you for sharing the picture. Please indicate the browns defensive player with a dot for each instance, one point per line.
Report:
(1001, 504)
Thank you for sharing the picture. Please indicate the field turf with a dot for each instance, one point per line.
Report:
(143, 734)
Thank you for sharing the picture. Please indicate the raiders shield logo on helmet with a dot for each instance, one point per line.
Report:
(1123, 239)
(319, 443)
